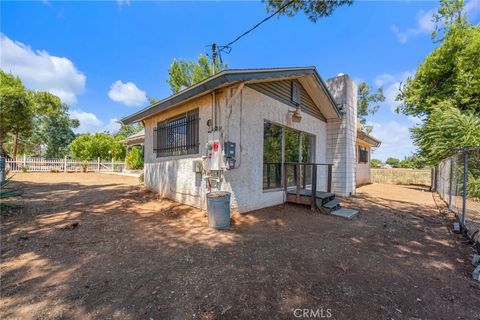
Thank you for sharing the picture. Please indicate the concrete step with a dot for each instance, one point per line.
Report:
(332, 204)
(345, 213)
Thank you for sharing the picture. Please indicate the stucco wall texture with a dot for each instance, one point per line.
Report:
(243, 123)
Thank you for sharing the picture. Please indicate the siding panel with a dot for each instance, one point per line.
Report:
(281, 91)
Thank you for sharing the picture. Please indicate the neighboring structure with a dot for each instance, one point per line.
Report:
(365, 143)
(134, 140)
(234, 130)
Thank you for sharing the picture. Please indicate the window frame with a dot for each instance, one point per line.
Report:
(283, 145)
(363, 154)
(188, 144)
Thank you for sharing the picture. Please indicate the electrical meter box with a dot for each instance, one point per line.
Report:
(229, 149)
(214, 160)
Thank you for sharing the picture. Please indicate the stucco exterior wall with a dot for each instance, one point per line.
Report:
(242, 123)
(363, 174)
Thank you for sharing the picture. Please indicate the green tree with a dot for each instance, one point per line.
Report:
(56, 132)
(313, 9)
(99, 145)
(392, 162)
(152, 100)
(449, 14)
(134, 159)
(128, 130)
(449, 73)
(53, 126)
(447, 129)
(367, 103)
(375, 163)
(16, 111)
(183, 73)
(445, 90)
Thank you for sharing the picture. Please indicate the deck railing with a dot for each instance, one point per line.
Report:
(304, 177)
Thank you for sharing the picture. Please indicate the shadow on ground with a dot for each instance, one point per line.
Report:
(133, 256)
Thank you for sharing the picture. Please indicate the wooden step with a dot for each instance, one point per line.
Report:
(318, 194)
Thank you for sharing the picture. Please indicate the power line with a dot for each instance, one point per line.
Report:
(227, 48)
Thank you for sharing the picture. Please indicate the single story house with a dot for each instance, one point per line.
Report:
(238, 130)
(365, 143)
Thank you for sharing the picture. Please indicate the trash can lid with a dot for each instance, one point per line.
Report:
(217, 194)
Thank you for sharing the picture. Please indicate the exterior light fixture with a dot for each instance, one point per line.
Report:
(296, 115)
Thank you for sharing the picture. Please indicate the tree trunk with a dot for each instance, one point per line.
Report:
(14, 145)
(3, 153)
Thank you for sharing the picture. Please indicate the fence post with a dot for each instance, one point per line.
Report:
(3, 169)
(65, 164)
(433, 182)
(465, 187)
(451, 185)
(113, 166)
(24, 160)
(98, 164)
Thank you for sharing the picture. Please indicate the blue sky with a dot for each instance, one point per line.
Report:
(105, 58)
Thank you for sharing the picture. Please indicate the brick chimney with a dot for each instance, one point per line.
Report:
(342, 134)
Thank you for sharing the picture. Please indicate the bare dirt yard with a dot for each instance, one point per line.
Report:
(97, 246)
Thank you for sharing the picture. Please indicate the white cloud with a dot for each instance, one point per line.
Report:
(89, 123)
(41, 71)
(395, 138)
(113, 125)
(425, 25)
(472, 9)
(127, 93)
(121, 3)
(391, 85)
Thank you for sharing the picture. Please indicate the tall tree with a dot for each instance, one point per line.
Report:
(16, 111)
(53, 127)
(445, 130)
(445, 90)
(313, 9)
(184, 73)
(367, 103)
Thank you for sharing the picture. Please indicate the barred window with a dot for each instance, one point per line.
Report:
(177, 136)
(362, 154)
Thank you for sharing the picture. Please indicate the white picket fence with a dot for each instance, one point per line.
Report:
(62, 165)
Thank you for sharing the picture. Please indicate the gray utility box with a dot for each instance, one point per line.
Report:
(229, 149)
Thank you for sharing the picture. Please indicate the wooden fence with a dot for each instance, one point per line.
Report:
(402, 176)
(26, 164)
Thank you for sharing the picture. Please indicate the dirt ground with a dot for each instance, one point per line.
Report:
(132, 256)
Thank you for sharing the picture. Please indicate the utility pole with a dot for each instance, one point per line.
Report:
(214, 56)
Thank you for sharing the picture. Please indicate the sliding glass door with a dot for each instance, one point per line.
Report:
(280, 145)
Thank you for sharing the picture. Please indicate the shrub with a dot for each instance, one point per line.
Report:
(473, 190)
(24, 169)
(134, 159)
(84, 165)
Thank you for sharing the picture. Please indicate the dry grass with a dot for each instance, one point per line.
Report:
(402, 176)
(97, 246)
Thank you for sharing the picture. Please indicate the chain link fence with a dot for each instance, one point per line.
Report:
(457, 181)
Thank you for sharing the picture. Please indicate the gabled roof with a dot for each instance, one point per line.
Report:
(227, 77)
(362, 135)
